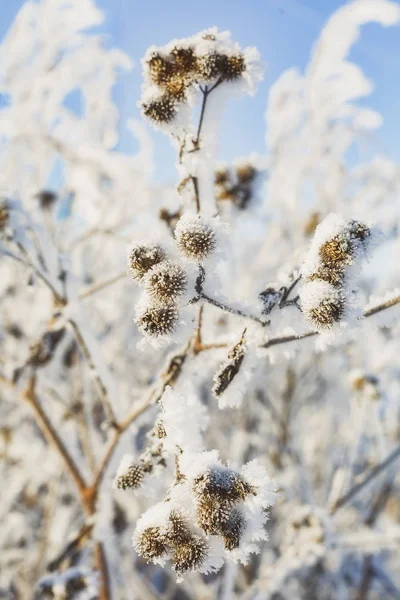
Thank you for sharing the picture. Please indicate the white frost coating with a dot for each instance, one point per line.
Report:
(342, 31)
(184, 419)
(336, 226)
(126, 461)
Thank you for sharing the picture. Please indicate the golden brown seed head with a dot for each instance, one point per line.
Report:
(158, 321)
(162, 110)
(143, 257)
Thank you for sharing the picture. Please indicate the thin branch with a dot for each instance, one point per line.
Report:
(374, 473)
(232, 310)
(37, 271)
(367, 313)
(71, 546)
(102, 566)
(168, 376)
(101, 388)
(97, 287)
(195, 182)
(52, 435)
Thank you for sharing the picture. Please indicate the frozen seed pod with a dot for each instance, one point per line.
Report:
(166, 282)
(190, 555)
(323, 305)
(158, 321)
(195, 238)
(143, 257)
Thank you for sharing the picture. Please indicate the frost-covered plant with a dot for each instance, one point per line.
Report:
(261, 290)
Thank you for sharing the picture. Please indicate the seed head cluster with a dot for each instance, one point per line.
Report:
(179, 68)
(164, 281)
(175, 540)
(218, 491)
(337, 246)
(236, 185)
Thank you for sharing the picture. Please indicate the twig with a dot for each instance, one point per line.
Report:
(101, 559)
(231, 310)
(52, 435)
(374, 473)
(367, 313)
(37, 271)
(101, 388)
(97, 287)
(72, 545)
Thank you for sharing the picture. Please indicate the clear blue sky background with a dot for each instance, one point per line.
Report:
(284, 32)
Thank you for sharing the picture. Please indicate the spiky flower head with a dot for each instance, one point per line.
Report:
(195, 238)
(323, 305)
(211, 513)
(161, 69)
(336, 251)
(190, 555)
(178, 528)
(158, 321)
(166, 282)
(152, 543)
(130, 479)
(161, 109)
(142, 257)
(185, 59)
(232, 530)
(222, 484)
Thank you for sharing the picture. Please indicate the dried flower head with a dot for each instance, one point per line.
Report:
(232, 67)
(143, 257)
(190, 555)
(322, 304)
(336, 251)
(246, 173)
(211, 513)
(166, 282)
(334, 276)
(195, 238)
(230, 368)
(178, 529)
(177, 87)
(131, 479)
(152, 543)
(161, 70)
(158, 321)
(222, 484)
(221, 177)
(236, 185)
(209, 66)
(232, 530)
(160, 110)
(185, 60)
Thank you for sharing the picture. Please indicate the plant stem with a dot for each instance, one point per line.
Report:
(367, 313)
(374, 473)
(231, 310)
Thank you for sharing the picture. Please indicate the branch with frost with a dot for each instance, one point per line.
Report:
(369, 311)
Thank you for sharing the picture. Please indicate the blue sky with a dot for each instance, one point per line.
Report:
(284, 32)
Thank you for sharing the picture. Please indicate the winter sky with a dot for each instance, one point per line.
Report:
(284, 31)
